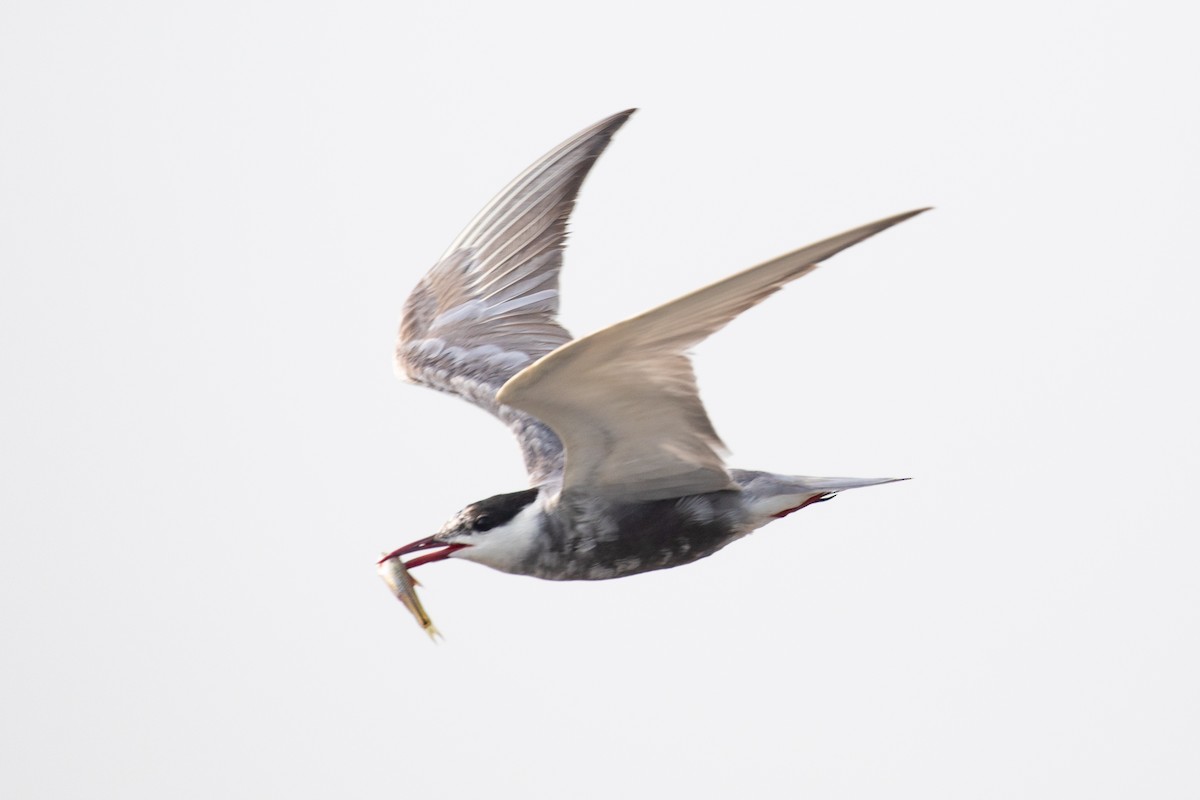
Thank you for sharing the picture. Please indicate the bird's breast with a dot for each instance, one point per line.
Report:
(597, 539)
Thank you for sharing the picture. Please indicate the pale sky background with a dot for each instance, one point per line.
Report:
(210, 215)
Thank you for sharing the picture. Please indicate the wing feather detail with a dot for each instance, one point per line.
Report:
(624, 400)
(489, 306)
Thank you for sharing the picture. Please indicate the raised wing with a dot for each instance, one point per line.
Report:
(624, 400)
(489, 307)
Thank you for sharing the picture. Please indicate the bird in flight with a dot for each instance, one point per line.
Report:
(625, 469)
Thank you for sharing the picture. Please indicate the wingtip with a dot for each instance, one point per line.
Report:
(612, 123)
(595, 137)
(879, 226)
(909, 214)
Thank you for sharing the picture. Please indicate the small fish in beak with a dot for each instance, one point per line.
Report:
(396, 575)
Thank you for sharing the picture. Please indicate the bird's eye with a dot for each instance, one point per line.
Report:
(482, 523)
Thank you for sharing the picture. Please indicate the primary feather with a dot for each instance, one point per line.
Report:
(624, 400)
(489, 306)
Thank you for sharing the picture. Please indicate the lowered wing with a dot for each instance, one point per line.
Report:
(624, 400)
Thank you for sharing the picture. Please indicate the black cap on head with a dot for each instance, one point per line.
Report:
(499, 509)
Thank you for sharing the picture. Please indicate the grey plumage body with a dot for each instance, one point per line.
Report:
(581, 536)
(626, 469)
(596, 538)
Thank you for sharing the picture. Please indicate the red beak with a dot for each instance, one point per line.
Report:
(424, 544)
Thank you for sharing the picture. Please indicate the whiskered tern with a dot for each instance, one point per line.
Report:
(626, 471)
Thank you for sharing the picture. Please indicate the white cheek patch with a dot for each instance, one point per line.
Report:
(507, 546)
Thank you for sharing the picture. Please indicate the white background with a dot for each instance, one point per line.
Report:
(210, 215)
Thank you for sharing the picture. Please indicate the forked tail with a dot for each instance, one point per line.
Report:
(770, 496)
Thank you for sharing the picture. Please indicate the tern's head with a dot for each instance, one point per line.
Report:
(498, 532)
